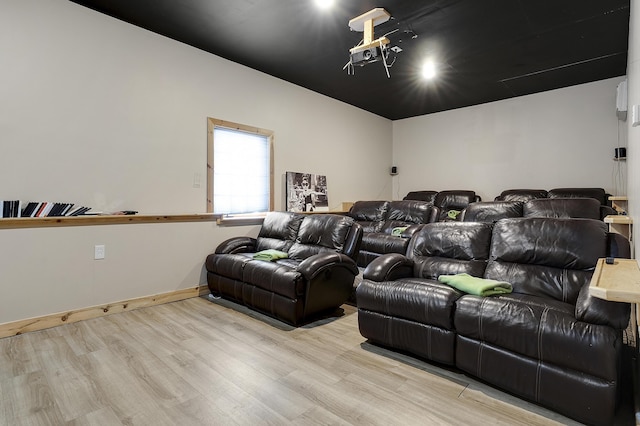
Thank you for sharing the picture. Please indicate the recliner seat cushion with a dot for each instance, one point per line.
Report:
(541, 329)
(410, 314)
(280, 278)
(421, 300)
(274, 277)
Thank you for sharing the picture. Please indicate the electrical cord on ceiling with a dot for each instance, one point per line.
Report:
(349, 65)
(383, 49)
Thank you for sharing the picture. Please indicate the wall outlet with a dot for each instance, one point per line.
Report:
(98, 252)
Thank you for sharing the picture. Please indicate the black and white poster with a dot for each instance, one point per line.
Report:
(306, 192)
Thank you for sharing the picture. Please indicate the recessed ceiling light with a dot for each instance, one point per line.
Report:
(324, 4)
(428, 69)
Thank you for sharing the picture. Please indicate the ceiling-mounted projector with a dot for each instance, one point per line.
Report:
(367, 56)
(368, 50)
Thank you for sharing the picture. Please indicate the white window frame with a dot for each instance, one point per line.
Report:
(213, 123)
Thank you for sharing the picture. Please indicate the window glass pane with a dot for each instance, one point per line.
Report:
(241, 172)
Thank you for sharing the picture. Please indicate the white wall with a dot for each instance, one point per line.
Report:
(559, 138)
(633, 148)
(99, 112)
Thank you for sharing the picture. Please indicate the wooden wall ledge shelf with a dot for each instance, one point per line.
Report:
(45, 222)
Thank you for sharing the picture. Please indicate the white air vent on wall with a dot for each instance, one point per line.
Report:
(621, 101)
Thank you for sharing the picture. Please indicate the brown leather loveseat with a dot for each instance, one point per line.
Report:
(547, 341)
(309, 268)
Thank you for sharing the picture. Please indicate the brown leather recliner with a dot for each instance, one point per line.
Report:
(316, 275)
(548, 341)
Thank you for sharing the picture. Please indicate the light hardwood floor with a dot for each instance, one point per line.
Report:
(198, 362)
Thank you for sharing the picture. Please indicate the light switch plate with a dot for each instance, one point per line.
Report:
(99, 251)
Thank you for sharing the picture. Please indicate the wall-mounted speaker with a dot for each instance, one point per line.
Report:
(620, 153)
(394, 170)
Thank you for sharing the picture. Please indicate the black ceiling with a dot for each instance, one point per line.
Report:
(485, 50)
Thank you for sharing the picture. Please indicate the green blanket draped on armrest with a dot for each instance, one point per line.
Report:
(270, 255)
(475, 285)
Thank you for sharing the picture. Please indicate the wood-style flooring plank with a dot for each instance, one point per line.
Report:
(203, 362)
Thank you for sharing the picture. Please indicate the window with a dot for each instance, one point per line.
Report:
(239, 168)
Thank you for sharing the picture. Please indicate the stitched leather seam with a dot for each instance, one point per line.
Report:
(426, 315)
(481, 349)
(426, 304)
(480, 317)
(543, 319)
(479, 365)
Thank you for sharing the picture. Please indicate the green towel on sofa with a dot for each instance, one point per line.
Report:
(397, 231)
(270, 255)
(475, 285)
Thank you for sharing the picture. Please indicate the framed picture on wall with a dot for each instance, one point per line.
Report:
(306, 192)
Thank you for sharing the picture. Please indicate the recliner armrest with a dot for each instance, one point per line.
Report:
(618, 246)
(602, 312)
(237, 245)
(318, 263)
(389, 267)
(412, 229)
(607, 211)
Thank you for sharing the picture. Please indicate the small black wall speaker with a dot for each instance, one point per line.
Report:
(394, 170)
(620, 152)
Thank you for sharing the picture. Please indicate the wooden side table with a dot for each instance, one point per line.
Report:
(620, 282)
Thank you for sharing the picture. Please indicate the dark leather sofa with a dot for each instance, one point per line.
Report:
(548, 341)
(379, 219)
(316, 276)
